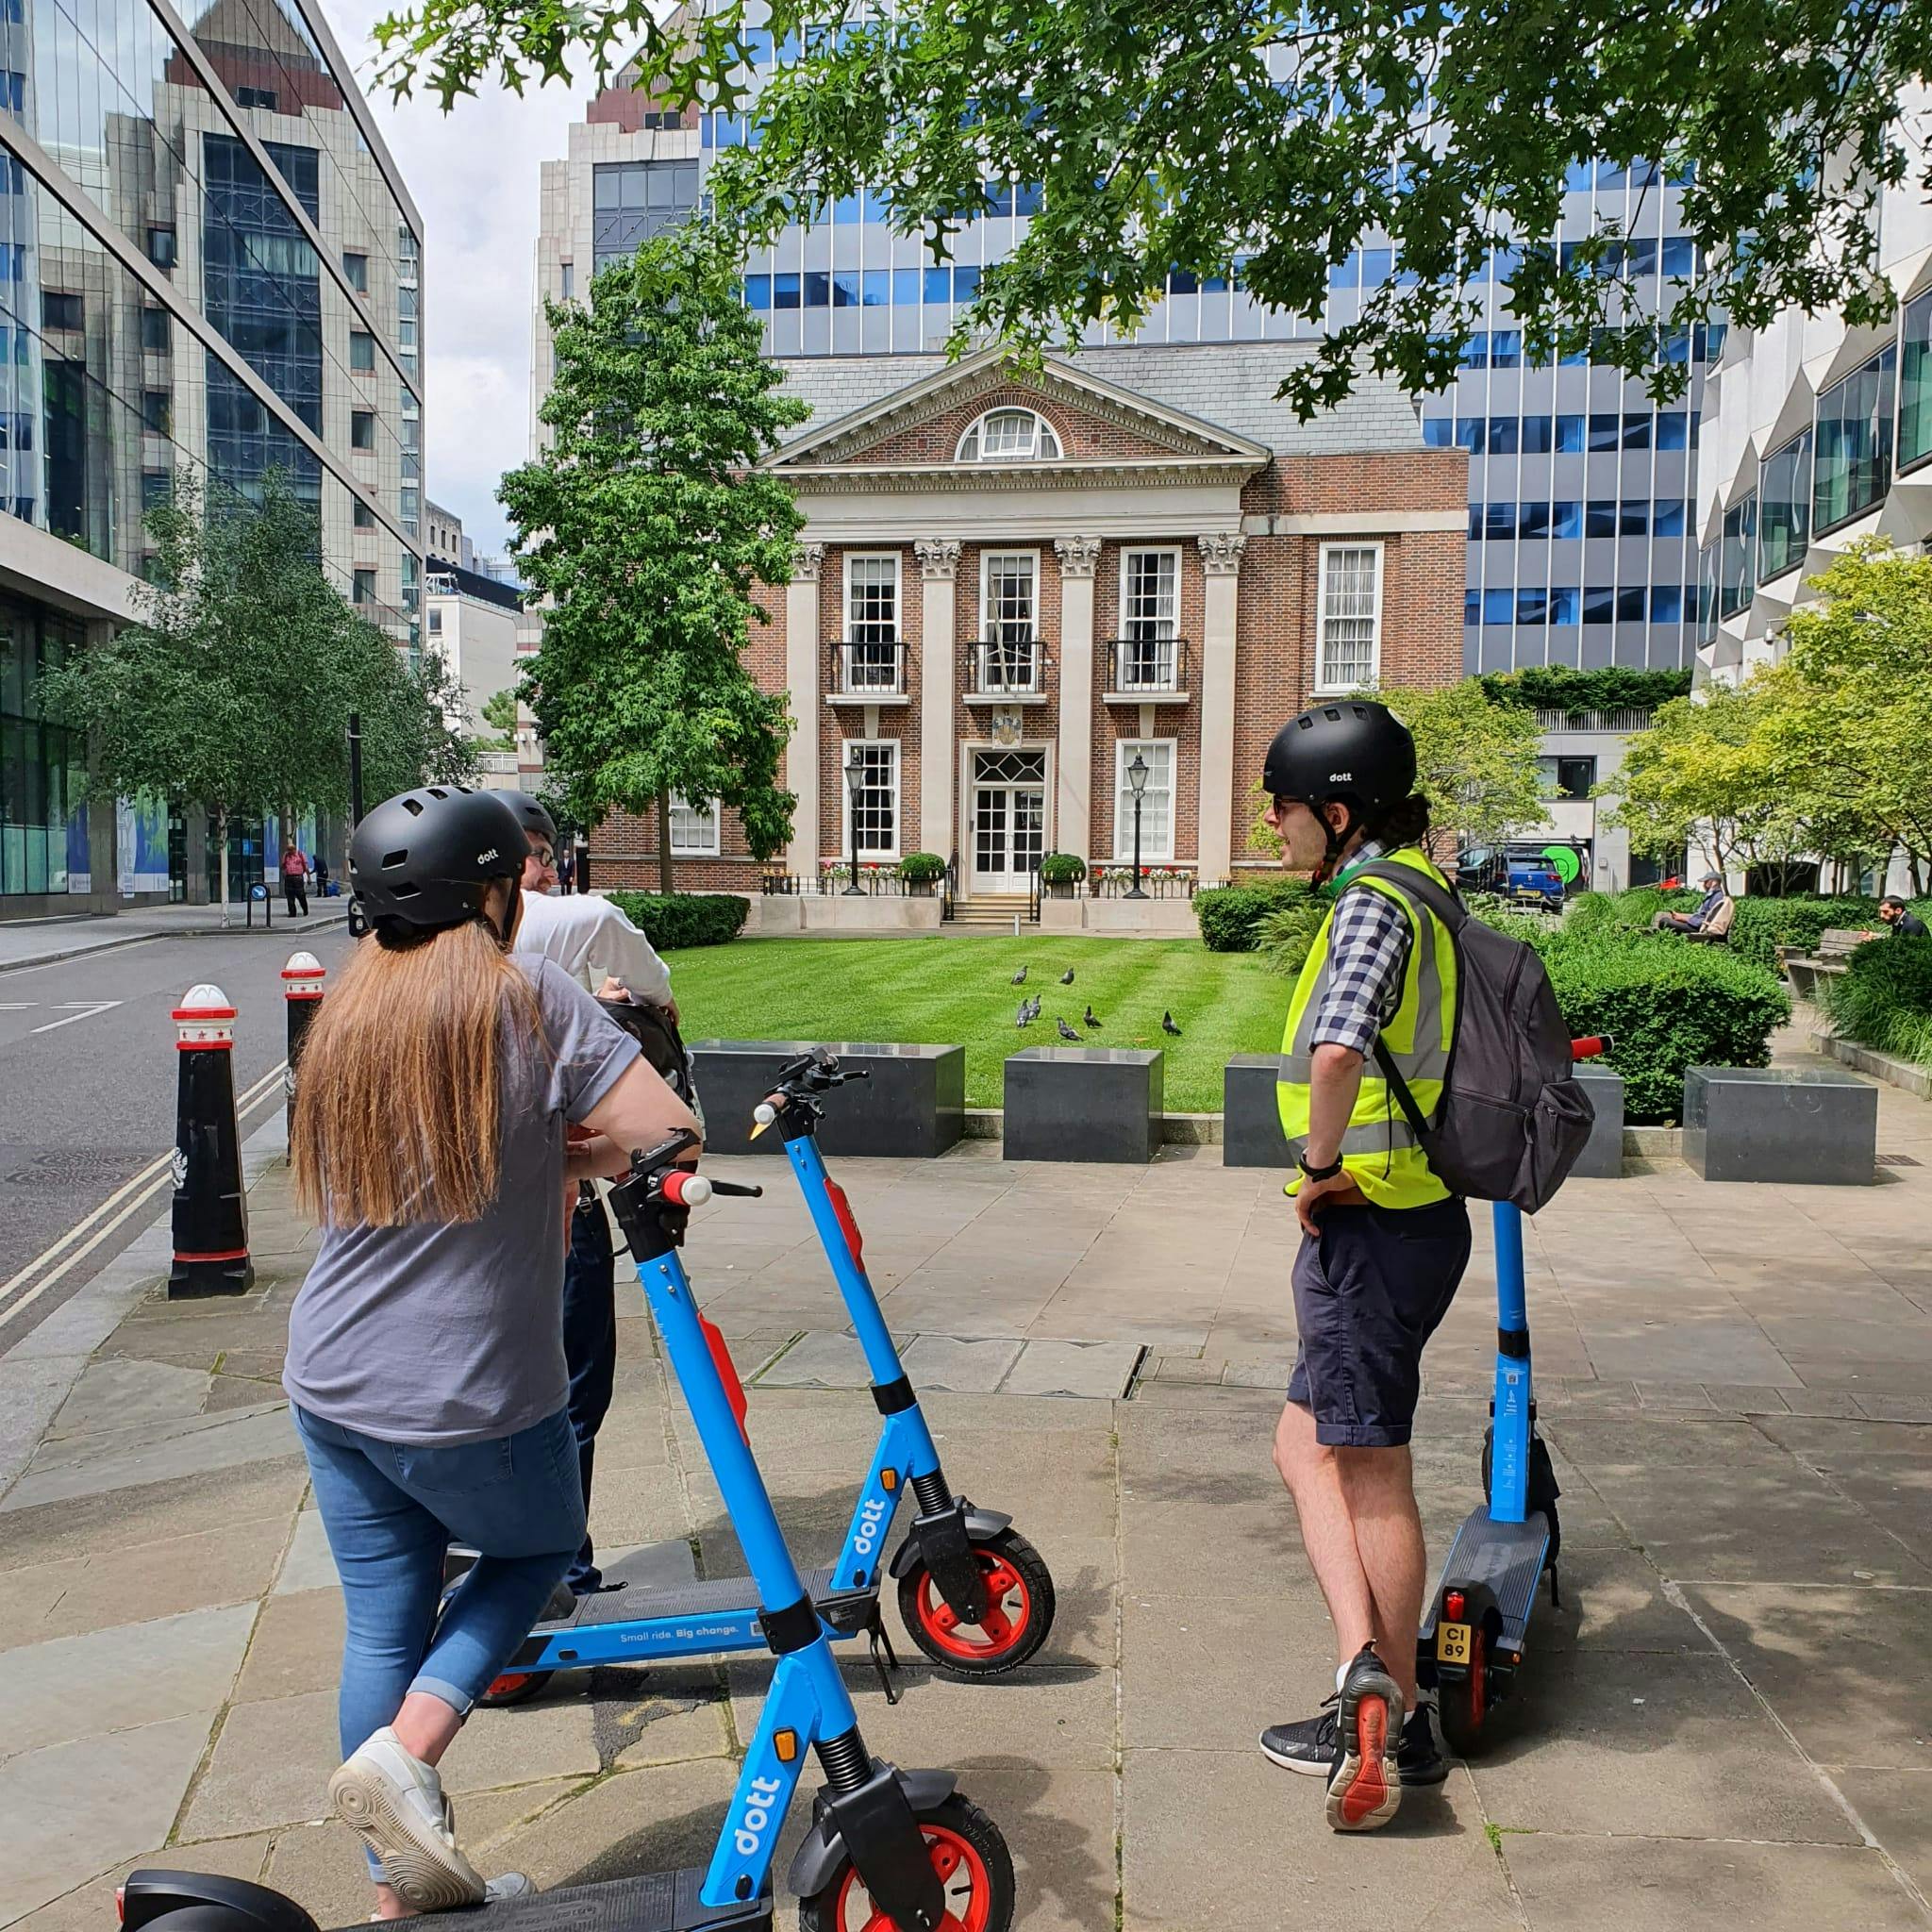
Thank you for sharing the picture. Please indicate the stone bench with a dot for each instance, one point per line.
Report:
(1777, 1123)
(1602, 1158)
(1251, 1132)
(1083, 1102)
(1807, 971)
(912, 1107)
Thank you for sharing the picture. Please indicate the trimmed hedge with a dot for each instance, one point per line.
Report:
(670, 920)
(1761, 927)
(1666, 1007)
(1231, 916)
(1884, 998)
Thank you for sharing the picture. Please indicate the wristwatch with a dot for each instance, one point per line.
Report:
(1319, 1174)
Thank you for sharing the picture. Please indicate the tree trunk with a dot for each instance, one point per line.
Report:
(222, 834)
(665, 842)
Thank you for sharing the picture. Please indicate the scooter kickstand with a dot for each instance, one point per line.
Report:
(883, 1659)
(1556, 1593)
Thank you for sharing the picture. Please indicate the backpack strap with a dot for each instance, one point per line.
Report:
(1443, 901)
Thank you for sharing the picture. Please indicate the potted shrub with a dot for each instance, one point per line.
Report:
(1061, 871)
(922, 872)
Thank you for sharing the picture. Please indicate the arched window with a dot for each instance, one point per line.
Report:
(1010, 436)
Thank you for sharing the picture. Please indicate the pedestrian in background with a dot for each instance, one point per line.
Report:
(318, 866)
(566, 870)
(294, 880)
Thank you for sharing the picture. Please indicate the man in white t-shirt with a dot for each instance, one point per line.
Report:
(592, 941)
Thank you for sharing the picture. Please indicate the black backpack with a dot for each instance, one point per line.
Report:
(1513, 1119)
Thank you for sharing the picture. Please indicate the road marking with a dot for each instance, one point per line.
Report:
(16, 1006)
(149, 1182)
(87, 1013)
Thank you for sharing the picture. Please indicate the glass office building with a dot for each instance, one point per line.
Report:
(210, 268)
(1580, 543)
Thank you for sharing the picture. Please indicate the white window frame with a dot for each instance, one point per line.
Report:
(1046, 447)
(1171, 635)
(896, 765)
(1124, 751)
(1037, 647)
(707, 817)
(1325, 684)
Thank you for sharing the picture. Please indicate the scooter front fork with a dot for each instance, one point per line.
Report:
(942, 1534)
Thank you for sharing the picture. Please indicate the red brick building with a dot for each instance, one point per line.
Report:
(1010, 583)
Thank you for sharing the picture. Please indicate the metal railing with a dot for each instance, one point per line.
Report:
(1009, 666)
(867, 668)
(1156, 882)
(949, 888)
(1147, 664)
(1033, 893)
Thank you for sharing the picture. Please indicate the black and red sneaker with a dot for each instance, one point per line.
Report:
(1365, 1787)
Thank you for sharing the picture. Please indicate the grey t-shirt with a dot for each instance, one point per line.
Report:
(444, 1332)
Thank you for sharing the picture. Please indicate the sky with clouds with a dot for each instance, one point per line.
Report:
(473, 174)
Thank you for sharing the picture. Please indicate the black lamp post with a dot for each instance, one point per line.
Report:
(854, 784)
(1137, 784)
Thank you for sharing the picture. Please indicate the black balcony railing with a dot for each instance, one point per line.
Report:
(1011, 666)
(869, 668)
(1152, 665)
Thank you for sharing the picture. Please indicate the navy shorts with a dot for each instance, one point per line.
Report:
(1369, 1291)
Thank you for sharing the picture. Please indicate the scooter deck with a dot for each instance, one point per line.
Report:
(661, 1580)
(1508, 1558)
(657, 1902)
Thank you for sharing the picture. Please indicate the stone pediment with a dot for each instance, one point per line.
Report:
(911, 435)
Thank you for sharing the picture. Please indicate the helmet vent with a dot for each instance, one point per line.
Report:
(389, 858)
(437, 792)
(404, 888)
(413, 807)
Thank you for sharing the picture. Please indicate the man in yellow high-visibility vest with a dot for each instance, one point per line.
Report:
(1384, 1242)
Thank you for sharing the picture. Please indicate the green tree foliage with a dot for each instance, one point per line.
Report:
(1607, 688)
(233, 692)
(647, 524)
(1272, 143)
(1849, 710)
(1700, 773)
(500, 712)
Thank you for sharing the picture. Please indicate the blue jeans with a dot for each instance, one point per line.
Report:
(590, 1348)
(392, 1509)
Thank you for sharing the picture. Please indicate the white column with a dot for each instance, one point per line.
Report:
(805, 682)
(938, 683)
(1221, 557)
(1073, 815)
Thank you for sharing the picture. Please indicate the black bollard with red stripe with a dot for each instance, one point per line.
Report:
(210, 1211)
(301, 990)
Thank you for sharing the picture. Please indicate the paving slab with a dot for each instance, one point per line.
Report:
(296, 1646)
(821, 1359)
(1847, 1671)
(1642, 1742)
(74, 1809)
(310, 1564)
(1211, 1841)
(1895, 1806)
(1194, 1677)
(118, 1392)
(1101, 1369)
(125, 1458)
(1665, 1884)
(271, 1765)
(118, 1679)
(961, 1364)
(90, 1907)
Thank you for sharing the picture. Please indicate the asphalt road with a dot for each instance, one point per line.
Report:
(87, 1081)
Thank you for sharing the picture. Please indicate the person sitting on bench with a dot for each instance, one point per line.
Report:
(1904, 922)
(1712, 918)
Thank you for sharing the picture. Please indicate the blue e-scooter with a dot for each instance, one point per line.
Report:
(886, 1848)
(974, 1593)
(1475, 1626)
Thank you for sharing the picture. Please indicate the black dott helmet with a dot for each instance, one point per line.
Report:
(420, 861)
(531, 815)
(1353, 750)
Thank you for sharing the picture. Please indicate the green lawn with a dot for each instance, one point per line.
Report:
(957, 991)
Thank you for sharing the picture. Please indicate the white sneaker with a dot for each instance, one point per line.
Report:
(395, 1803)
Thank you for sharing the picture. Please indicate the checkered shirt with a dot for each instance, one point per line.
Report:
(1368, 954)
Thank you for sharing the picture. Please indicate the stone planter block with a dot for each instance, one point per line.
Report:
(1251, 1132)
(1775, 1124)
(1603, 1154)
(912, 1107)
(1083, 1102)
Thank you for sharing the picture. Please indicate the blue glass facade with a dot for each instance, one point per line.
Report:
(1580, 547)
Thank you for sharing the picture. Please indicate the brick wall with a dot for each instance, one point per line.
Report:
(1081, 434)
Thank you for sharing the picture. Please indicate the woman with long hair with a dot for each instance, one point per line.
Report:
(426, 1361)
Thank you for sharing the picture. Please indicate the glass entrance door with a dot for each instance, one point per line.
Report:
(1009, 819)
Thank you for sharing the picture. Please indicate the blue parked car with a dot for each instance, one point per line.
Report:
(1537, 874)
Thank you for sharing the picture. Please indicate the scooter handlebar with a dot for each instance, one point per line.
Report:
(1590, 1049)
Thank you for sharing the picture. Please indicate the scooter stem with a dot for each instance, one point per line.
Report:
(1510, 1404)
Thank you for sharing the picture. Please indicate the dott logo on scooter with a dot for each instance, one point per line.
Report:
(870, 1516)
(765, 1793)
